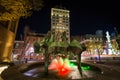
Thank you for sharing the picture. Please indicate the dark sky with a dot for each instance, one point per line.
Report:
(85, 16)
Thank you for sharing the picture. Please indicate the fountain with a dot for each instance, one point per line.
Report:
(60, 66)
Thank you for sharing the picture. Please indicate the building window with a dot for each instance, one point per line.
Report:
(66, 24)
(53, 20)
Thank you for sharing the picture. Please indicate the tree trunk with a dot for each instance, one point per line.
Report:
(79, 63)
(99, 55)
(46, 61)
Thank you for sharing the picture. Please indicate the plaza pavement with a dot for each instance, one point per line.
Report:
(110, 71)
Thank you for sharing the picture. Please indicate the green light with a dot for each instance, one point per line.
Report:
(86, 68)
(72, 64)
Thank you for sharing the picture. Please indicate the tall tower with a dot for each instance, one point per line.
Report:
(109, 47)
(60, 23)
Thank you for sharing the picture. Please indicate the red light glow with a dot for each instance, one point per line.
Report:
(63, 71)
(61, 66)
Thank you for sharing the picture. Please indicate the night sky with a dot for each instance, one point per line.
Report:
(85, 17)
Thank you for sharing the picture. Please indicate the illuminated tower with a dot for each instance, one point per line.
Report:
(60, 23)
(110, 49)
